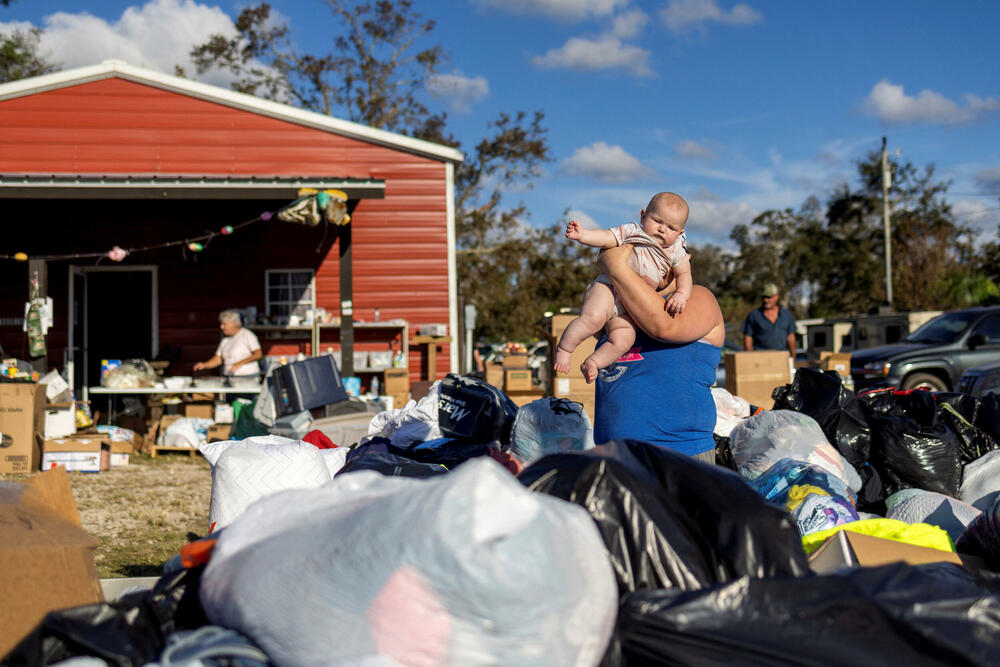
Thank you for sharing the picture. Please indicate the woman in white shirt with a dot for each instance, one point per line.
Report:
(238, 351)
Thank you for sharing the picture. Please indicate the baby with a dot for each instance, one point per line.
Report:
(658, 255)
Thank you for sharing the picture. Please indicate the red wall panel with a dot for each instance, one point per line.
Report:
(119, 127)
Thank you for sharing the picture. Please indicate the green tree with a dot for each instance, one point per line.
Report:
(375, 74)
(20, 57)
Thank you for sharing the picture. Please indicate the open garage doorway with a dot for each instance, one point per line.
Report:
(113, 315)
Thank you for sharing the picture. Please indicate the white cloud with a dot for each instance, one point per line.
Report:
(695, 151)
(460, 92)
(682, 15)
(560, 9)
(157, 35)
(989, 180)
(891, 105)
(982, 217)
(605, 52)
(585, 220)
(629, 24)
(603, 162)
(711, 220)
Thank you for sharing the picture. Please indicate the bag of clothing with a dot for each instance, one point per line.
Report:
(547, 426)
(467, 568)
(669, 520)
(470, 409)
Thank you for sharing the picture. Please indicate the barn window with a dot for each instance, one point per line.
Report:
(290, 292)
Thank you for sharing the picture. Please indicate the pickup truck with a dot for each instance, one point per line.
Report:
(935, 356)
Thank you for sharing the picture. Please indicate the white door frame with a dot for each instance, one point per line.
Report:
(75, 270)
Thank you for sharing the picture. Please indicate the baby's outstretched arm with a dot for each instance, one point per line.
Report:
(595, 238)
(682, 288)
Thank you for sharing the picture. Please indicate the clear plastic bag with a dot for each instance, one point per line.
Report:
(760, 441)
(549, 426)
(132, 373)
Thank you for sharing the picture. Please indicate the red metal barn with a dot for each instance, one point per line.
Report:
(115, 155)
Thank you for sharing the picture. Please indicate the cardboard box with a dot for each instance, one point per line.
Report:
(81, 452)
(515, 361)
(396, 381)
(218, 432)
(399, 400)
(494, 375)
(846, 548)
(22, 420)
(60, 420)
(201, 410)
(223, 413)
(119, 454)
(836, 361)
(754, 375)
(523, 397)
(46, 558)
(516, 379)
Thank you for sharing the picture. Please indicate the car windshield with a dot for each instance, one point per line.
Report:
(942, 329)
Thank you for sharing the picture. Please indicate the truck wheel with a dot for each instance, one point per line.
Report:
(924, 381)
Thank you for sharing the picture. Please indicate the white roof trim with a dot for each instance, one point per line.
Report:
(230, 98)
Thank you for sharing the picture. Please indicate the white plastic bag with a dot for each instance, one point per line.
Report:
(981, 481)
(467, 568)
(414, 423)
(729, 411)
(244, 471)
(920, 506)
(185, 432)
(549, 426)
(760, 441)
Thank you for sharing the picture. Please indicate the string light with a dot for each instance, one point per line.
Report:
(195, 244)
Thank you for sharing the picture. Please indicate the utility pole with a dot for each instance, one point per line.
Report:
(886, 178)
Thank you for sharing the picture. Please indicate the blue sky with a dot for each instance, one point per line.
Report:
(738, 106)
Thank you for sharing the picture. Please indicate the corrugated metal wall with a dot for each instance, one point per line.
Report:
(115, 126)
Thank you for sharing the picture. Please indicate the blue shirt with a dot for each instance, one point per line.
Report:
(659, 393)
(767, 336)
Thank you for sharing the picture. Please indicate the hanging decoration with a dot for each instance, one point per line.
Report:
(310, 208)
(313, 206)
(33, 322)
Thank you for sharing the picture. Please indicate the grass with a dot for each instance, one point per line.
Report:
(143, 513)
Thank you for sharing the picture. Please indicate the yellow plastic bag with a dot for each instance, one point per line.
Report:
(919, 534)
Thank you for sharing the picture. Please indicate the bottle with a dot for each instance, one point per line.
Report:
(300, 356)
(375, 386)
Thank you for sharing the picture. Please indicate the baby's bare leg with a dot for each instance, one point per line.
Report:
(621, 336)
(597, 305)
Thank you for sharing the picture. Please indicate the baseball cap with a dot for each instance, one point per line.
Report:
(770, 289)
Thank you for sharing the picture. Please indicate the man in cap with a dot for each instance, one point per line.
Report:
(769, 327)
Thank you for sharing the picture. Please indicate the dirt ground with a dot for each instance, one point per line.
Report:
(143, 513)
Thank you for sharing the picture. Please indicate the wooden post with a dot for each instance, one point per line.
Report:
(346, 303)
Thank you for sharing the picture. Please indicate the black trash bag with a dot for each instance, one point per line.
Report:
(472, 410)
(128, 632)
(912, 445)
(981, 538)
(670, 521)
(724, 452)
(823, 396)
(988, 417)
(391, 461)
(962, 412)
(896, 614)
